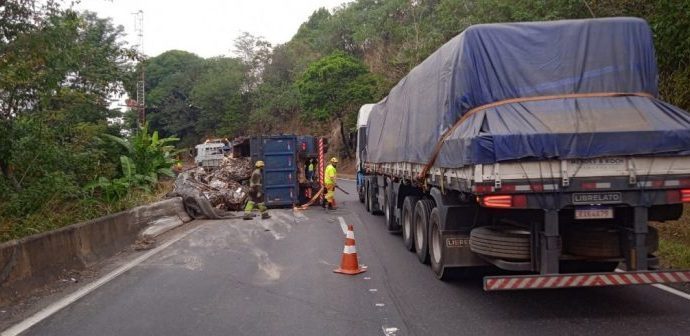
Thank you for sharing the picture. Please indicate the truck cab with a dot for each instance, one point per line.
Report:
(360, 155)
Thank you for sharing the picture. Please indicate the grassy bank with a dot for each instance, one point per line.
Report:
(674, 245)
(56, 214)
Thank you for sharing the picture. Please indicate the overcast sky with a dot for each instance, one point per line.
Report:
(207, 27)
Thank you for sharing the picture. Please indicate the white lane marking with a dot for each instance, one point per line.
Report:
(346, 179)
(68, 300)
(672, 291)
(342, 224)
(665, 288)
(389, 331)
(380, 304)
(373, 290)
(367, 278)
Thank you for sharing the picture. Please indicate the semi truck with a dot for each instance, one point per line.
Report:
(539, 148)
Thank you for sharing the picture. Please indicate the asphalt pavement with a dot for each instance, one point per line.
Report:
(275, 277)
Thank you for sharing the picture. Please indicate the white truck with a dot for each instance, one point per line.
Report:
(538, 148)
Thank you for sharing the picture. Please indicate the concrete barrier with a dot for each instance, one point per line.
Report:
(38, 260)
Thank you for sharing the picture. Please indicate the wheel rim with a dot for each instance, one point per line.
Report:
(435, 245)
(418, 237)
(387, 210)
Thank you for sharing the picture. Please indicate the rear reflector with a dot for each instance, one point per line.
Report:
(504, 201)
(497, 283)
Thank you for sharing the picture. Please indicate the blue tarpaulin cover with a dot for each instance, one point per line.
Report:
(494, 62)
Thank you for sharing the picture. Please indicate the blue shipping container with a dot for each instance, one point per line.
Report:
(281, 183)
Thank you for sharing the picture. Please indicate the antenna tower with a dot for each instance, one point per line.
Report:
(141, 90)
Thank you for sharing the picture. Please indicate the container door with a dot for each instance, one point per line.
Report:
(280, 172)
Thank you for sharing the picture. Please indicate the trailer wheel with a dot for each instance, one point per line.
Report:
(501, 242)
(374, 205)
(577, 266)
(421, 224)
(436, 257)
(367, 196)
(602, 242)
(391, 223)
(408, 221)
(360, 192)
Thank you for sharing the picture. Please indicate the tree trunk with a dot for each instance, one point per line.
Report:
(8, 175)
(346, 143)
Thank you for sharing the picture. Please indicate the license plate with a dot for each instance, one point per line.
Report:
(594, 213)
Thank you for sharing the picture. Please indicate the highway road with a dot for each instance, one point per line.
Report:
(274, 277)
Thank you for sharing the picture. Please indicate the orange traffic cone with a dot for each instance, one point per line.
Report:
(349, 264)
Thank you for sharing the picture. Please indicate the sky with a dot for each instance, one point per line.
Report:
(207, 27)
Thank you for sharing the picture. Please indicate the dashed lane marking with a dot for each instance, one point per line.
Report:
(343, 226)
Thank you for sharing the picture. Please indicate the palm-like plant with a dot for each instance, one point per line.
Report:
(147, 158)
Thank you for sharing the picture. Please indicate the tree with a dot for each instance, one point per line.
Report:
(170, 79)
(255, 53)
(218, 94)
(60, 71)
(334, 87)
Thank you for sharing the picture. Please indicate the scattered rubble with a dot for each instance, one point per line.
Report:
(225, 187)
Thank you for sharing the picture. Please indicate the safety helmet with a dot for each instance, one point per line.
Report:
(334, 160)
(259, 164)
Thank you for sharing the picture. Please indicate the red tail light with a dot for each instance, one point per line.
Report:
(685, 195)
(504, 201)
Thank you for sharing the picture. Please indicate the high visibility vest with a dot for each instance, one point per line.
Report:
(329, 175)
(311, 167)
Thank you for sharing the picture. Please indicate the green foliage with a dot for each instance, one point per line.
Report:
(335, 86)
(59, 70)
(147, 158)
(218, 95)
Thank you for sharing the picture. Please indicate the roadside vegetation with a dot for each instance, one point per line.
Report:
(59, 69)
(61, 156)
(674, 244)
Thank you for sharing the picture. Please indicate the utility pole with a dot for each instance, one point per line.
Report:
(141, 90)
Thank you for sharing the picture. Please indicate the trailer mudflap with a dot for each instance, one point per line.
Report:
(521, 282)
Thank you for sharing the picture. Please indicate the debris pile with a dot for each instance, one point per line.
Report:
(225, 187)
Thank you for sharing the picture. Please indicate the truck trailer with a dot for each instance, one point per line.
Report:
(541, 148)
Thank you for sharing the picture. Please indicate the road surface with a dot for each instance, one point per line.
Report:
(274, 277)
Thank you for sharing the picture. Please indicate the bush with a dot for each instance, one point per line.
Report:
(147, 158)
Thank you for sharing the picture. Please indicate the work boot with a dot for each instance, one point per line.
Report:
(265, 215)
(248, 216)
(331, 207)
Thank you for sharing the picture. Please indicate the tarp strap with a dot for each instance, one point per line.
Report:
(470, 113)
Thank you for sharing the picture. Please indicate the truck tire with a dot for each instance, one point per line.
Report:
(360, 193)
(374, 205)
(367, 196)
(391, 223)
(602, 242)
(191, 206)
(422, 212)
(407, 221)
(503, 242)
(436, 256)
(578, 266)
